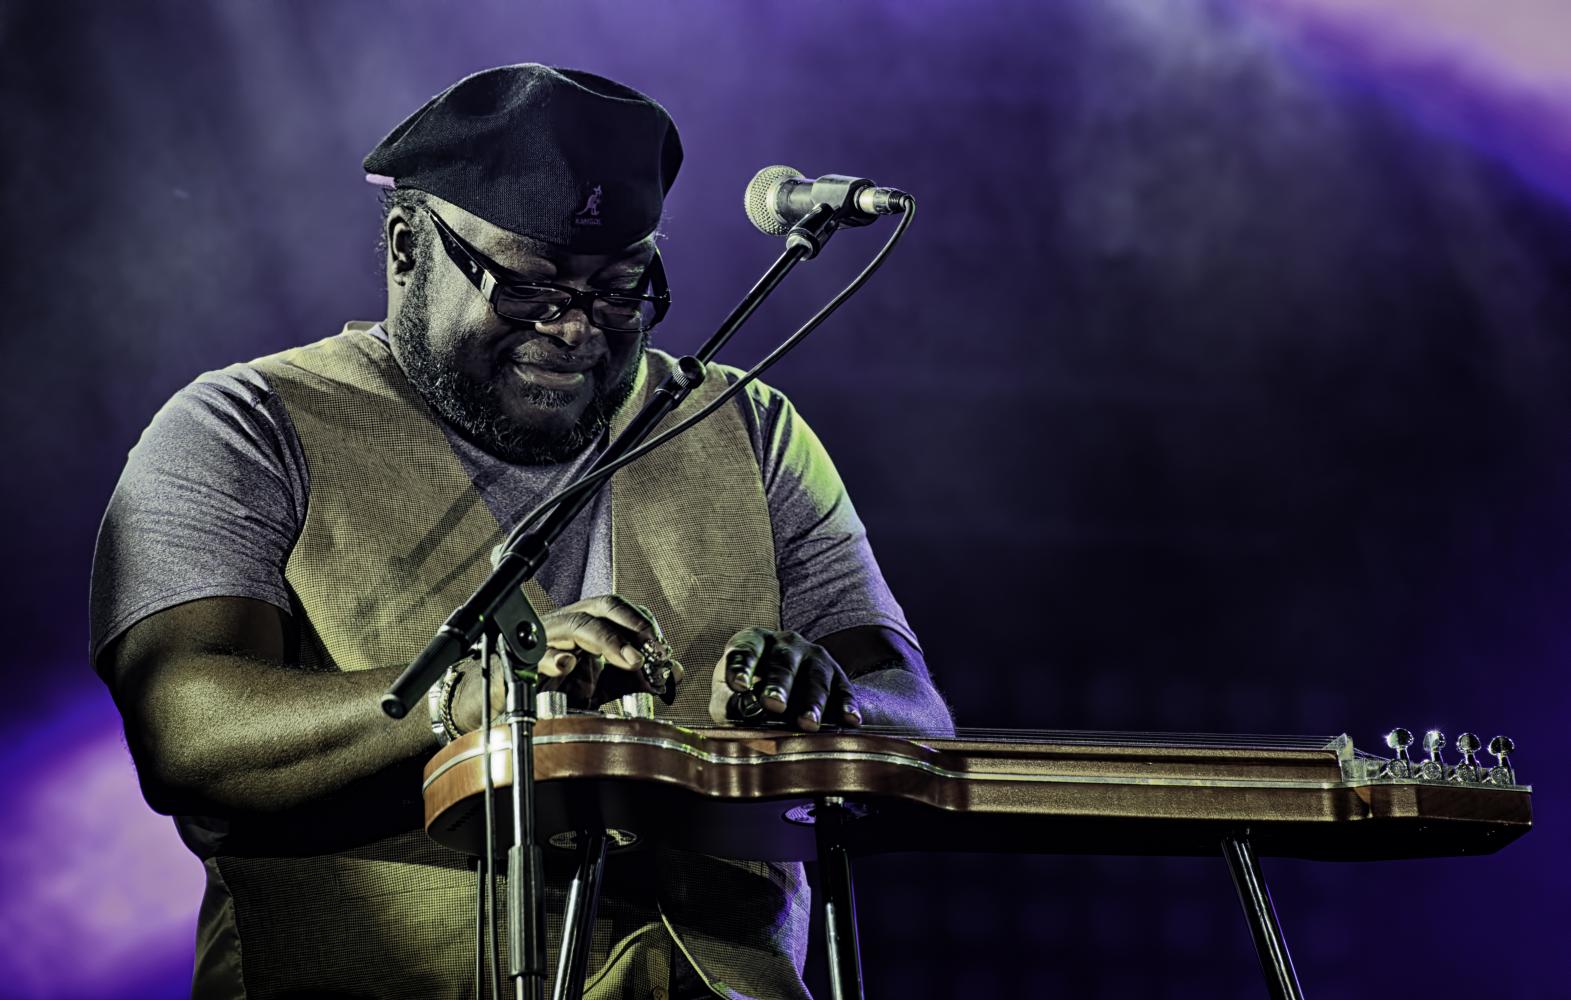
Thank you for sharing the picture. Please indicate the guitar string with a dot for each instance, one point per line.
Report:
(1098, 736)
(1124, 734)
(1089, 737)
(1124, 739)
(1083, 735)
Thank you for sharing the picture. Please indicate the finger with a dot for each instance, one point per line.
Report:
(557, 663)
(594, 634)
(649, 616)
(636, 618)
(726, 705)
(815, 675)
(579, 684)
(842, 704)
(719, 693)
(741, 657)
(777, 669)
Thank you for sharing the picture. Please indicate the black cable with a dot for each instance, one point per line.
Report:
(596, 477)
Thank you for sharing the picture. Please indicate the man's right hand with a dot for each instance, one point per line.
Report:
(581, 639)
(219, 724)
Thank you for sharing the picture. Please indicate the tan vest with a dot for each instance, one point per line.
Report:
(395, 537)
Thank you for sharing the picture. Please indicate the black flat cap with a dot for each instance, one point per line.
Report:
(563, 156)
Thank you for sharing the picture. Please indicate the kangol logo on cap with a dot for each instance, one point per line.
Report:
(589, 215)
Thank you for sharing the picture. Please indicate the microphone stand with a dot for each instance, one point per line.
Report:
(498, 610)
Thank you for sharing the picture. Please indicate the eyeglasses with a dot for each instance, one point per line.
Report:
(544, 302)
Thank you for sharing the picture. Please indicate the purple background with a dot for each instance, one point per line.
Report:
(1223, 384)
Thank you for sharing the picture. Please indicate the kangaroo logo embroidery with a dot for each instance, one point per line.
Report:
(589, 215)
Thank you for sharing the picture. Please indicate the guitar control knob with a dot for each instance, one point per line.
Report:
(638, 705)
(550, 704)
(1502, 748)
(1467, 770)
(1433, 769)
(1399, 740)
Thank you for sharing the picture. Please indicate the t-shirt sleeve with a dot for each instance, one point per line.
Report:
(209, 505)
(829, 579)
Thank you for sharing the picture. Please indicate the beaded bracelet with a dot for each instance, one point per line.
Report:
(439, 701)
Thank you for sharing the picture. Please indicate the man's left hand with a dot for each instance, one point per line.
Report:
(792, 678)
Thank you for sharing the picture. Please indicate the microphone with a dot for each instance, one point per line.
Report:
(778, 197)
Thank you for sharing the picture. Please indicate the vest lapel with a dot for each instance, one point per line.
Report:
(691, 537)
(395, 536)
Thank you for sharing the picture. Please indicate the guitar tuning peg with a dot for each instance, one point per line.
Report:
(1467, 769)
(1501, 748)
(1399, 740)
(1433, 769)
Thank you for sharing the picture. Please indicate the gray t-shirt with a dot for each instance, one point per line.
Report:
(213, 497)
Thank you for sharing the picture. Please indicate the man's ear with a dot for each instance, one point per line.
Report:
(400, 247)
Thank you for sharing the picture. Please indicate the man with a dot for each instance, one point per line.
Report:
(288, 534)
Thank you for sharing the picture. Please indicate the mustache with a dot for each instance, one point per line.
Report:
(536, 351)
(559, 363)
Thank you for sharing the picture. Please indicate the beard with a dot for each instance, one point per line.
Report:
(474, 407)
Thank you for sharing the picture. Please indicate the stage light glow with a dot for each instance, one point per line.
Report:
(100, 893)
(1497, 74)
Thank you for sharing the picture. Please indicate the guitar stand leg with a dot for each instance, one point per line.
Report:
(578, 922)
(839, 901)
(1275, 962)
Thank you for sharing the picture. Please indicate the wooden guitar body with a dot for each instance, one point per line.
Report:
(751, 793)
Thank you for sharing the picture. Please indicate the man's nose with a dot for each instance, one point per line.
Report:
(571, 328)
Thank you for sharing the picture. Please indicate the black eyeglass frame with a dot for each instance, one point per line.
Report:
(492, 280)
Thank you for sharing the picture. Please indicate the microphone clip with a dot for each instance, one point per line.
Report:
(841, 193)
(814, 229)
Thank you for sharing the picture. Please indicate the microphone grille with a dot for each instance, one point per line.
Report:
(759, 199)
